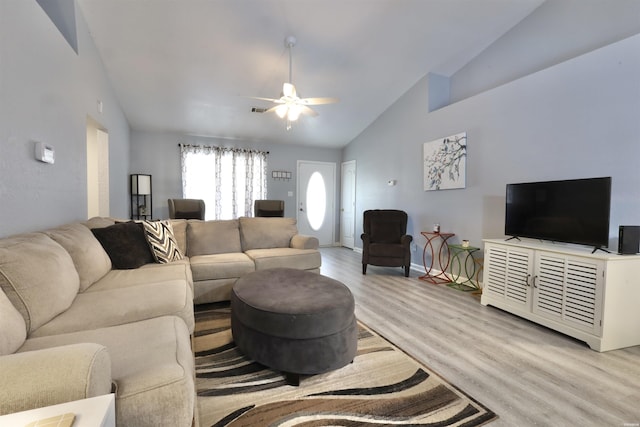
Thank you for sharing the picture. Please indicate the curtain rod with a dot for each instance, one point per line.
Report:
(245, 150)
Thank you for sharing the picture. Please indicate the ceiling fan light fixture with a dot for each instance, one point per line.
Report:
(290, 106)
(282, 110)
(294, 112)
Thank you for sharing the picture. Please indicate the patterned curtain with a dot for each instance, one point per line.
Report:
(227, 179)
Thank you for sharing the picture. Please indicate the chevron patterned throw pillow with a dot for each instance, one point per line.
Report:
(163, 243)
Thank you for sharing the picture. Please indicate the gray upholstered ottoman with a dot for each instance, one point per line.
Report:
(294, 321)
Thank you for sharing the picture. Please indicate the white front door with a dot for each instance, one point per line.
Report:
(348, 205)
(316, 206)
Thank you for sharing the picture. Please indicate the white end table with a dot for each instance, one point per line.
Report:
(97, 411)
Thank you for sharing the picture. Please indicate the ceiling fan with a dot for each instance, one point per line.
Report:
(290, 106)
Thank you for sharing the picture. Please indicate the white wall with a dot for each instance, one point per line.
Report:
(575, 119)
(46, 93)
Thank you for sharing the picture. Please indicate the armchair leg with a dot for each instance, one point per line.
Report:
(406, 271)
(364, 268)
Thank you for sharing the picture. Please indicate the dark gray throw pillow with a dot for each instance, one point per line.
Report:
(126, 245)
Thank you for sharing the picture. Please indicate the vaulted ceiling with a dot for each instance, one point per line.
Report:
(191, 66)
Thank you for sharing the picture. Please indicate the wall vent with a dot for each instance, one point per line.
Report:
(258, 110)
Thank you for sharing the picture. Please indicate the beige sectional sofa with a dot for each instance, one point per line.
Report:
(220, 252)
(73, 327)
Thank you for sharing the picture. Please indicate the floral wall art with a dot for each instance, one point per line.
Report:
(445, 161)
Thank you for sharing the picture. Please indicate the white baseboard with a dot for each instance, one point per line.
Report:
(415, 267)
(418, 267)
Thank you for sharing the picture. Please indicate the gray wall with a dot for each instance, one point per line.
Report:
(555, 32)
(46, 93)
(575, 119)
(158, 154)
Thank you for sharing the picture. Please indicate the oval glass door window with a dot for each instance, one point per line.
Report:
(316, 201)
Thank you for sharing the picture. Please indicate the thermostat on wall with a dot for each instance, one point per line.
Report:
(45, 153)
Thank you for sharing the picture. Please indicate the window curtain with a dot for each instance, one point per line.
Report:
(227, 179)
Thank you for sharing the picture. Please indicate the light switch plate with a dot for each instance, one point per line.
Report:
(45, 153)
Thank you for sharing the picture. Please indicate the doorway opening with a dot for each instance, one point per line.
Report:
(97, 169)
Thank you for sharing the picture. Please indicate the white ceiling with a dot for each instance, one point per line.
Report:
(189, 66)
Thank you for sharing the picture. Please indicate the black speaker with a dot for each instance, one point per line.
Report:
(629, 239)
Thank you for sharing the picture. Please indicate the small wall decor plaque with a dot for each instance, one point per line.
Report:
(445, 162)
(281, 175)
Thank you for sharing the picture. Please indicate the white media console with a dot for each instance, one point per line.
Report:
(594, 297)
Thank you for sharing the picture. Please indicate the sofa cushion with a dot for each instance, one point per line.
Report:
(110, 307)
(148, 273)
(126, 244)
(38, 277)
(162, 242)
(300, 259)
(13, 330)
(180, 233)
(213, 237)
(154, 382)
(263, 233)
(220, 266)
(99, 222)
(88, 255)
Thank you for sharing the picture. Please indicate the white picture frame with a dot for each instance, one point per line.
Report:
(445, 163)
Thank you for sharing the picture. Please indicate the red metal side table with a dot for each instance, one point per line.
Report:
(443, 257)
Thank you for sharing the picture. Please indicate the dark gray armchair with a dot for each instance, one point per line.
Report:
(384, 241)
(186, 209)
(268, 208)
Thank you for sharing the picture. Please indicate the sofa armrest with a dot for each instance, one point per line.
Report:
(300, 241)
(38, 378)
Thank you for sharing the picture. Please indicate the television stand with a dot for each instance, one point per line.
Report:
(591, 297)
(512, 238)
(598, 248)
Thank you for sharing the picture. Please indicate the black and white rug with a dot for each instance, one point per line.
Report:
(383, 386)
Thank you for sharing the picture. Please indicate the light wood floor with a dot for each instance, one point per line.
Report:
(529, 375)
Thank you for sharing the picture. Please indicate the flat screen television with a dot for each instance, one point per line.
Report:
(570, 211)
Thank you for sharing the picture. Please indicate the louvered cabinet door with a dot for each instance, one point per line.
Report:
(508, 273)
(569, 290)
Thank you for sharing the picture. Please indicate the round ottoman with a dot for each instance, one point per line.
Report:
(294, 321)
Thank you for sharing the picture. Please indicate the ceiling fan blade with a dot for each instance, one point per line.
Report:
(277, 101)
(289, 90)
(308, 111)
(319, 101)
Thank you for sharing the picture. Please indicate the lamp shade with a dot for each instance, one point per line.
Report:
(140, 184)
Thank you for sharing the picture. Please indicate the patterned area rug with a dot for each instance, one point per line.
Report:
(383, 386)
